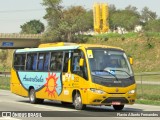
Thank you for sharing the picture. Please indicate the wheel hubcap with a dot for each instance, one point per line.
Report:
(78, 101)
(32, 96)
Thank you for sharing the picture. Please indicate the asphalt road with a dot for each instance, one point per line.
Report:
(11, 102)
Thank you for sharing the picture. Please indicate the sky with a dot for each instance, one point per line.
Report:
(14, 13)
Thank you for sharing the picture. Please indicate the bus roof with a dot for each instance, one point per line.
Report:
(46, 49)
(100, 46)
(73, 44)
(62, 46)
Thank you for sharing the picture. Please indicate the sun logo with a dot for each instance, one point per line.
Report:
(51, 84)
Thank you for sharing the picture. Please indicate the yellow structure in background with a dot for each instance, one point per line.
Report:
(100, 13)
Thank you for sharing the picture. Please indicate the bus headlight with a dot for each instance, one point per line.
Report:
(131, 92)
(97, 91)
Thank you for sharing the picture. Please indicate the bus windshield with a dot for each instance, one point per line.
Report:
(109, 63)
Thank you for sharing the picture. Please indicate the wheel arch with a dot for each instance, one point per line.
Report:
(74, 93)
(31, 87)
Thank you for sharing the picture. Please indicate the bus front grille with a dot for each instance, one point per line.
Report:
(112, 99)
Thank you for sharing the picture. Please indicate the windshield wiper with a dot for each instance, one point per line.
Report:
(108, 71)
(123, 71)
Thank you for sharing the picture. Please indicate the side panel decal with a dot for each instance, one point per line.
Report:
(52, 81)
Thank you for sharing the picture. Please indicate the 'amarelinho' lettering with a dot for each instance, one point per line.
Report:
(35, 79)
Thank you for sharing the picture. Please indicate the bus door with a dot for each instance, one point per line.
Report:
(66, 75)
(79, 75)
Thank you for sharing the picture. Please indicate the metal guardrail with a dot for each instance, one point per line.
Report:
(148, 77)
(147, 73)
(148, 85)
(5, 74)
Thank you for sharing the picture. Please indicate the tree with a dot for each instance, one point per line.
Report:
(147, 14)
(53, 12)
(53, 17)
(112, 8)
(75, 20)
(32, 27)
(63, 24)
(132, 8)
(125, 18)
(153, 26)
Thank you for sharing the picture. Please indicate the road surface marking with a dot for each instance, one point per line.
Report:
(54, 108)
(8, 118)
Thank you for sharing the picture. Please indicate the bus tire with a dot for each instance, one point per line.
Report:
(118, 107)
(32, 96)
(77, 101)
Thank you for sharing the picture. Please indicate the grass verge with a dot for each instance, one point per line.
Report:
(5, 83)
(147, 102)
(155, 78)
(148, 92)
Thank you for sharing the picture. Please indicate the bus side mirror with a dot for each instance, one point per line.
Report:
(81, 62)
(131, 60)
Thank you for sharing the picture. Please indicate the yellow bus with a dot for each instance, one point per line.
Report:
(81, 74)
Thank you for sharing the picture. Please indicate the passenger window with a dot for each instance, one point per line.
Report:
(66, 60)
(56, 61)
(46, 62)
(43, 61)
(31, 61)
(19, 61)
(40, 61)
(34, 66)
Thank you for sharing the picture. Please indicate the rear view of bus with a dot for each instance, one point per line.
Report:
(112, 76)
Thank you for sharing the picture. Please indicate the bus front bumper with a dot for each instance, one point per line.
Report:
(111, 98)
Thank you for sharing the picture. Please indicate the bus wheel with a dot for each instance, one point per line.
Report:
(32, 96)
(33, 99)
(78, 102)
(118, 107)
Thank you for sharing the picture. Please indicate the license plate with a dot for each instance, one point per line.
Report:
(116, 95)
(116, 103)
